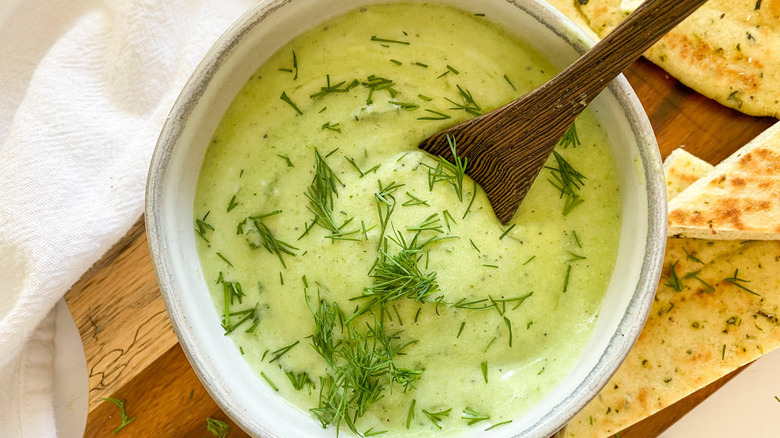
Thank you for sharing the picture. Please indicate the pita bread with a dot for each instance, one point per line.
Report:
(738, 199)
(727, 50)
(714, 324)
(570, 9)
(682, 169)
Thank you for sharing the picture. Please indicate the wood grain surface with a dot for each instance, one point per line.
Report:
(132, 352)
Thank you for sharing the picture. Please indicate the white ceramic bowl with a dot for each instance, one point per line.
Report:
(198, 110)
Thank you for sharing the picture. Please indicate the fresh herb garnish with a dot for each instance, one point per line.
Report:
(375, 83)
(389, 41)
(332, 127)
(445, 171)
(473, 196)
(674, 281)
(203, 226)
(735, 280)
(472, 416)
(484, 366)
(570, 138)
(320, 194)
(121, 405)
(286, 159)
(288, 101)
(567, 181)
(414, 200)
(408, 106)
(300, 380)
(410, 415)
(282, 351)
(695, 275)
(506, 78)
(341, 87)
(436, 417)
(219, 254)
(270, 382)
(506, 231)
(232, 204)
(437, 115)
(261, 235)
(468, 105)
(498, 424)
(218, 428)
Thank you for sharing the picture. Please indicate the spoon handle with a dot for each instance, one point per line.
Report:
(583, 80)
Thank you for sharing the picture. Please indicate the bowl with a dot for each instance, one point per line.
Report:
(179, 154)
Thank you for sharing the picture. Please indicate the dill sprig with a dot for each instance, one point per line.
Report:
(449, 172)
(570, 137)
(389, 41)
(414, 200)
(399, 275)
(567, 181)
(361, 172)
(261, 236)
(468, 105)
(735, 280)
(361, 366)
(282, 351)
(341, 87)
(408, 106)
(472, 416)
(437, 417)
(203, 226)
(289, 101)
(121, 405)
(320, 193)
(674, 281)
(385, 204)
(218, 428)
(431, 223)
(436, 115)
(375, 83)
(300, 380)
(335, 127)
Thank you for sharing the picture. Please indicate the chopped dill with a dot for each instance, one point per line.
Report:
(288, 101)
(219, 254)
(570, 137)
(506, 231)
(203, 226)
(396, 62)
(460, 329)
(261, 236)
(498, 424)
(286, 159)
(282, 351)
(121, 405)
(389, 41)
(431, 223)
(425, 98)
(452, 69)
(474, 245)
(472, 416)
(529, 260)
(447, 218)
(436, 417)
(414, 200)
(300, 380)
(674, 281)
(410, 415)
(341, 87)
(506, 78)
(218, 428)
(695, 275)
(320, 194)
(484, 366)
(735, 280)
(270, 382)
(420, 64)
(385, 204)
(445, 171)
(567, 181)
(375, 83)
(566, 279)
(232, 204)
(473, 196)
(468, 105)
(408, 106)
(437, 115)
(332, 127)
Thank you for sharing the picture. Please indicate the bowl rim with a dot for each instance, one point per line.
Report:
(629, 327)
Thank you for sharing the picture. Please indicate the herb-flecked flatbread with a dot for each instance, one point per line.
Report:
(682, 169)
(716, 309)
(738, 199)
(728, 50)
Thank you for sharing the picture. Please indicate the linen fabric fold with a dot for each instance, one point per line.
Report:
(85, 86)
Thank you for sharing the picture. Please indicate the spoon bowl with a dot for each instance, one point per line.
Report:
(507, 148)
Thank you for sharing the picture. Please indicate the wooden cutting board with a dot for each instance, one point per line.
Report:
(132, 352)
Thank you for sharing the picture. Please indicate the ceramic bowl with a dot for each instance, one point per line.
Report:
(179, 155)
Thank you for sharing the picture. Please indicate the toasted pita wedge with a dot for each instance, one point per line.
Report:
(737, 200)
(682, 169)
(716, 309)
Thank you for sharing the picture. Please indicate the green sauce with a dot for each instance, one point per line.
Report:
(387, 66)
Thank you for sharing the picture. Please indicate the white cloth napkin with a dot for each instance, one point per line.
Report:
(85, 86)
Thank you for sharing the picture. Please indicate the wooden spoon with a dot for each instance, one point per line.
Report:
(507, 147)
